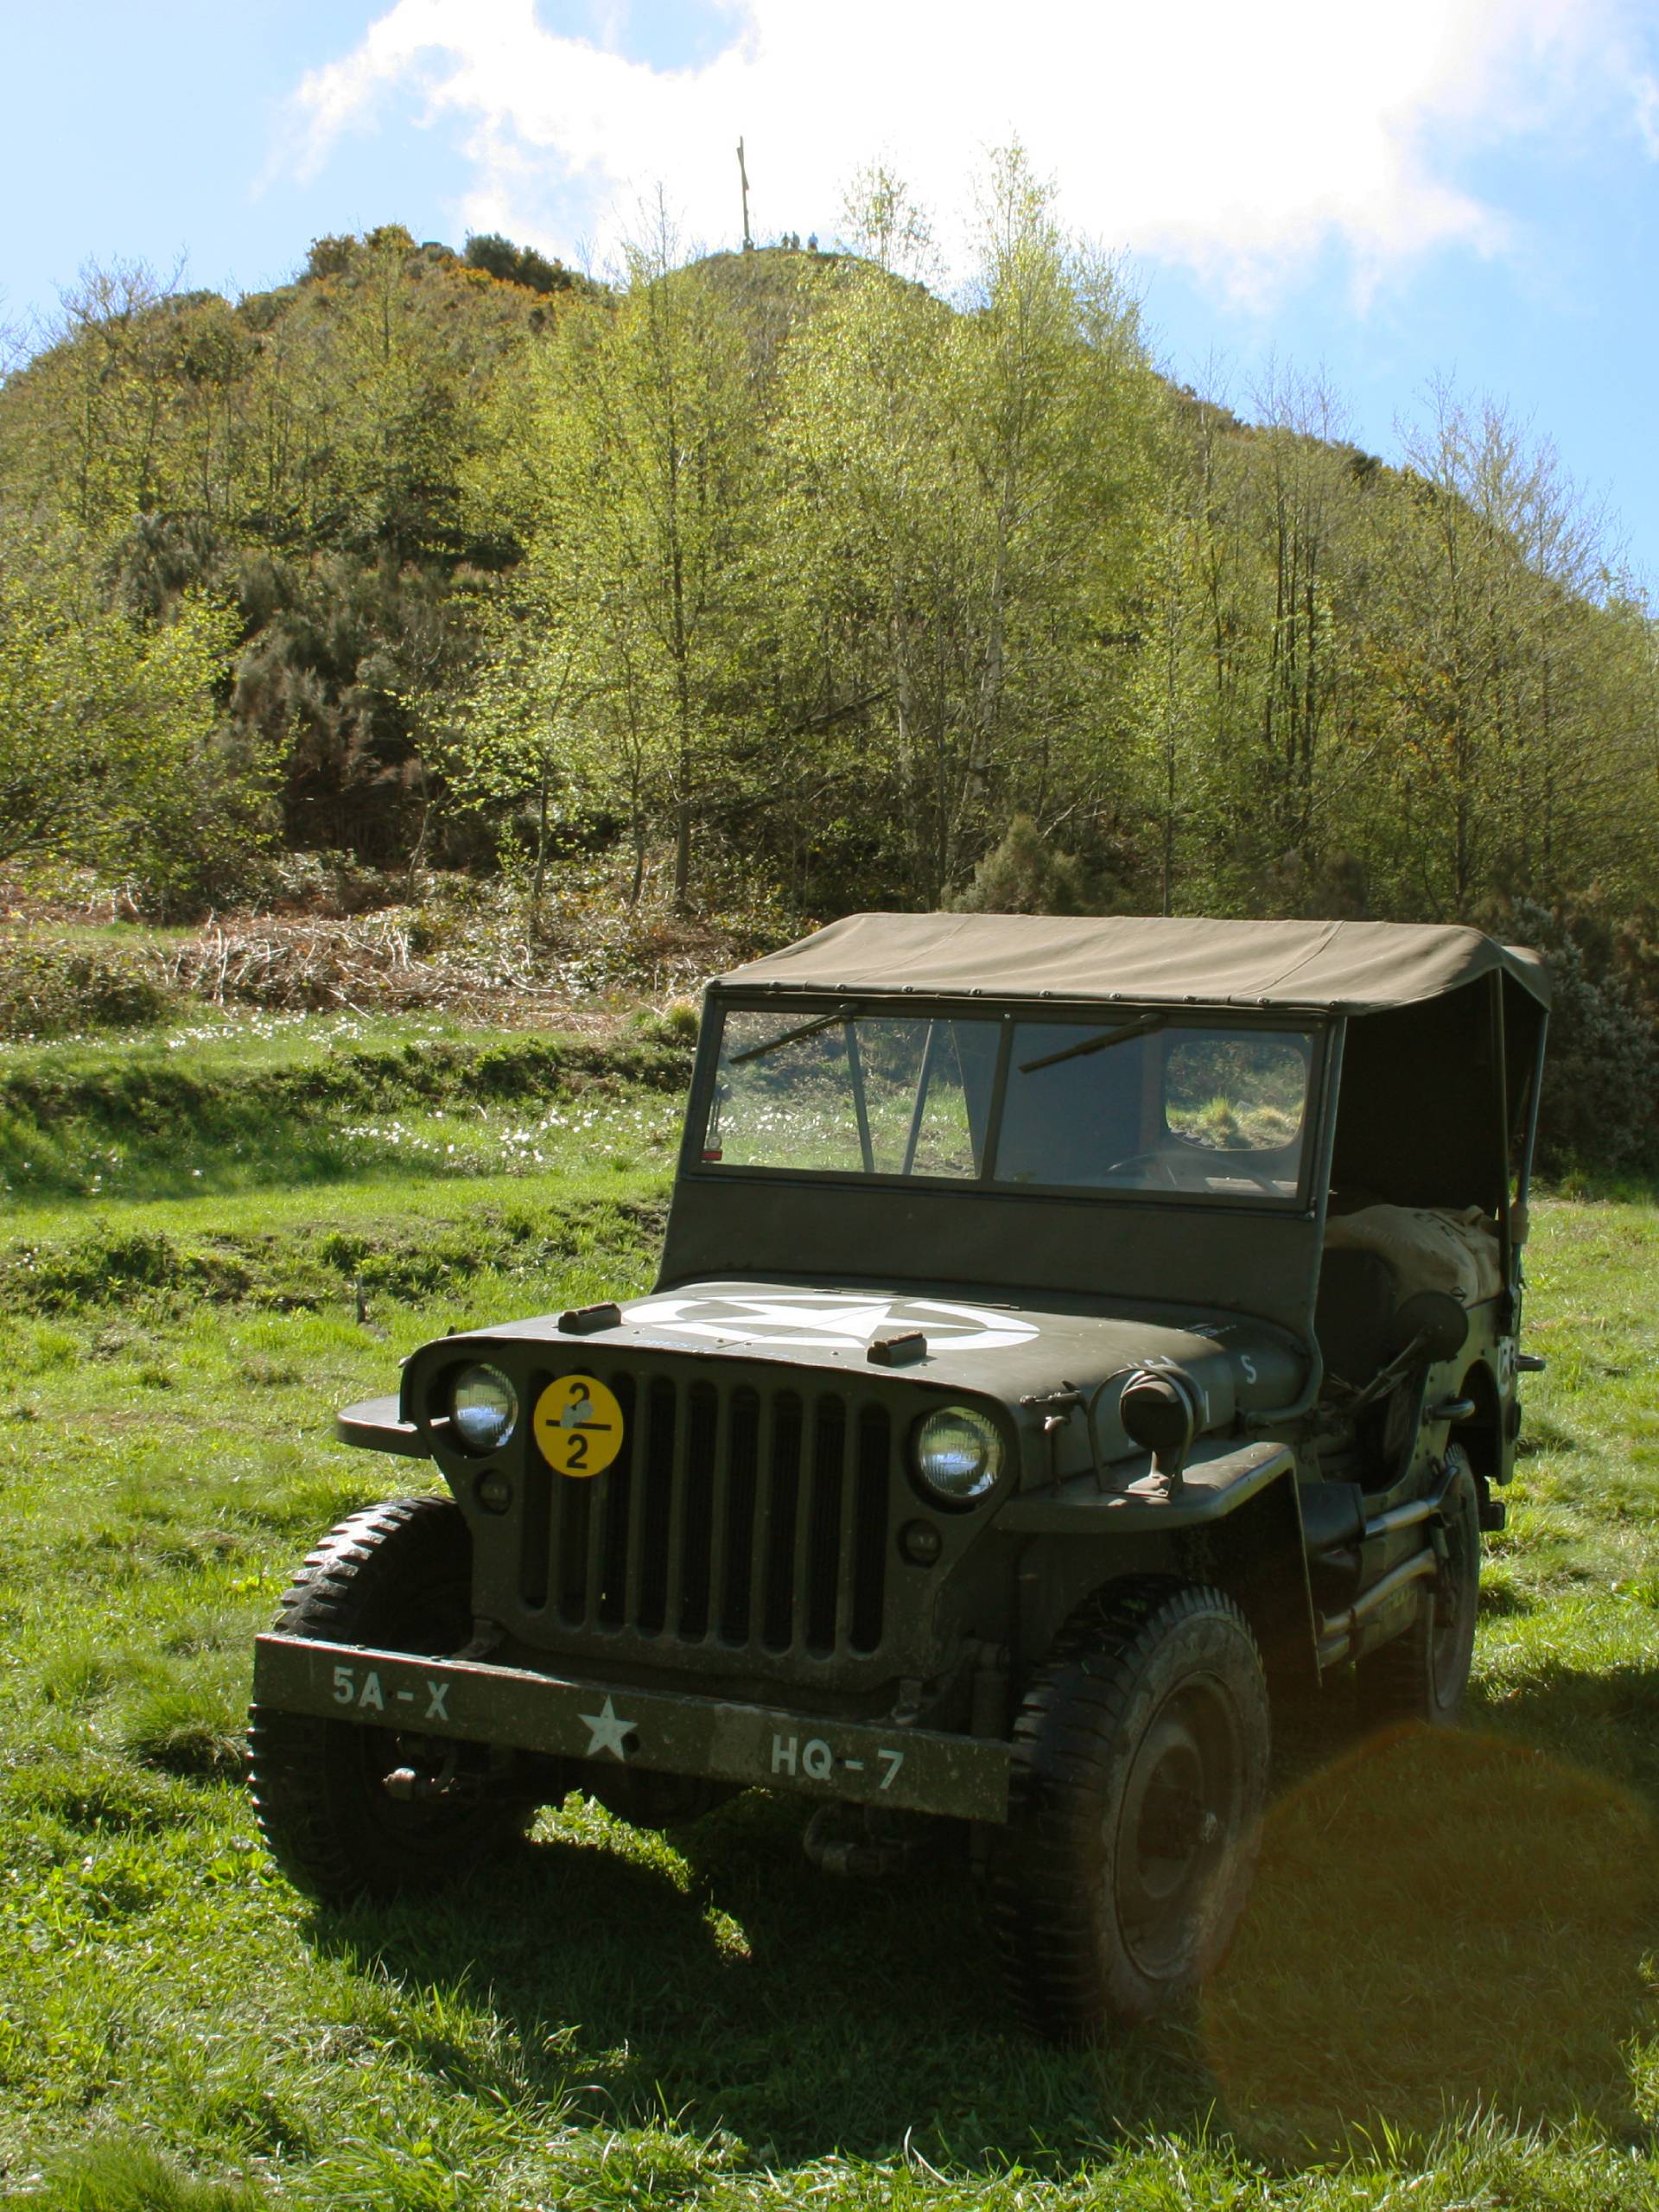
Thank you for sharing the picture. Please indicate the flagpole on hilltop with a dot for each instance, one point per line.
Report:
(748, 243)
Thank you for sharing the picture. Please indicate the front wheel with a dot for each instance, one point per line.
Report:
(397, 1576)
(1140, 1769)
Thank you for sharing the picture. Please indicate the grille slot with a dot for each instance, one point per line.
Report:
(754, 1520)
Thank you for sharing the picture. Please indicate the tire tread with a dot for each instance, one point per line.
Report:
(297, 1762)
(1073, 1719)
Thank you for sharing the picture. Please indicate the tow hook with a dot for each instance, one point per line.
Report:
(408, 1785)
(860, 1843)
(418, 1786)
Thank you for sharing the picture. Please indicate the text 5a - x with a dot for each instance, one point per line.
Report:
(368, 1695)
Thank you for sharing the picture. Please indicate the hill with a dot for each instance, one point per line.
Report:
(777, 577)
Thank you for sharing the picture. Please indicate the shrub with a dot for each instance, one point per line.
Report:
(673, 1026)
(332, 883)
(1601, 1076)
(1024, 874)
(55, 990)
(330, 257)
(521, 265)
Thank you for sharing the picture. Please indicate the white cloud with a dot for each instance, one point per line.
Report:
(1240, 142)
(1647, 113)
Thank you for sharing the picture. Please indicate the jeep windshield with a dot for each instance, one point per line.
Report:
(1140, 1101)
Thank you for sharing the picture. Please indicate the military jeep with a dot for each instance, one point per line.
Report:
(1071, 1336)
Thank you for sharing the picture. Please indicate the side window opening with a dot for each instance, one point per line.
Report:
(1235, 1094)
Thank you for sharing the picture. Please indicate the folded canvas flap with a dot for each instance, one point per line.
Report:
(1426, 1248)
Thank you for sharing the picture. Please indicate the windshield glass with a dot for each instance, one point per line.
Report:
(1147, 1102)
(871, 1095)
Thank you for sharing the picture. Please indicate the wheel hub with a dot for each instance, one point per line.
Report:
(1171, 1831)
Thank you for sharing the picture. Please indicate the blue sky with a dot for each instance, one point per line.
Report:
(1388, 192)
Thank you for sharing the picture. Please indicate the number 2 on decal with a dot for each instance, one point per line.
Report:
(579, 1425)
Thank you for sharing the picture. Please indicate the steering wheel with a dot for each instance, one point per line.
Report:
(1154, 1166)
(1236, 1166)
(1151, 1166)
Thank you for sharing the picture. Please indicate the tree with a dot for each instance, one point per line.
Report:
(1517, 683)
(958, 501)
(516, 737)
(1064, 423)
(647, 428)
(107, 731)
(1268, 595)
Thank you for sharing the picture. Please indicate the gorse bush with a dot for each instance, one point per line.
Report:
(1025, 874)
(50, 990)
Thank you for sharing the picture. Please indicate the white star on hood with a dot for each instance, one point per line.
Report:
(839, 1320)
(830, 1321)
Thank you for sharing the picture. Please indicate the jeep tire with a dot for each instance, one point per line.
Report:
(1141, 1754)
(396, 1576)
(1422, 1675)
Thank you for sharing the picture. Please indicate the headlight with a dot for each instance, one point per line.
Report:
(484, 1407)
(958, 1454)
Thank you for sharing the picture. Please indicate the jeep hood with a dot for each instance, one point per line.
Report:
(1009, 1350)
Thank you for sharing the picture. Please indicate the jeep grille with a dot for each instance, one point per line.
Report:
(736, 1517)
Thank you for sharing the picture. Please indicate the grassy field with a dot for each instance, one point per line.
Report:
(1443, 1994)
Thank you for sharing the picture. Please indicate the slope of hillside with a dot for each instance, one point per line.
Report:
(777, 576)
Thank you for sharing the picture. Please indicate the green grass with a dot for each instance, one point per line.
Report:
(266, 1103)
(1443, 1995)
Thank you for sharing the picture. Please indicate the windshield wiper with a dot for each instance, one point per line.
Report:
(1100, 1043)
(791, 1036)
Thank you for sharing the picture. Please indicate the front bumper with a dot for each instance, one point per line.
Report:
(916, 1770)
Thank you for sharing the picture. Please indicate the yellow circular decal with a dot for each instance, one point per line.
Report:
(578, 1425)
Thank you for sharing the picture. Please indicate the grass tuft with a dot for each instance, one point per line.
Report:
(130, 2176)
(188, 1728)
(94, 1791)
(78, 1674)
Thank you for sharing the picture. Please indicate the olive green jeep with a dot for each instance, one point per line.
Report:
(1070, 1337)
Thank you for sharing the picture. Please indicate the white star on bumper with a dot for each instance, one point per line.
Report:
(608, 1734)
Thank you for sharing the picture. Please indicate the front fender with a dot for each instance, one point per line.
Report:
(1236, 1525)
(377, 1425)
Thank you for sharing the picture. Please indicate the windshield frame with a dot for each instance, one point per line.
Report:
(1318, 1027)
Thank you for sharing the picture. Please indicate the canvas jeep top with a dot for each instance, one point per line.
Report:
(1066, 1330)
